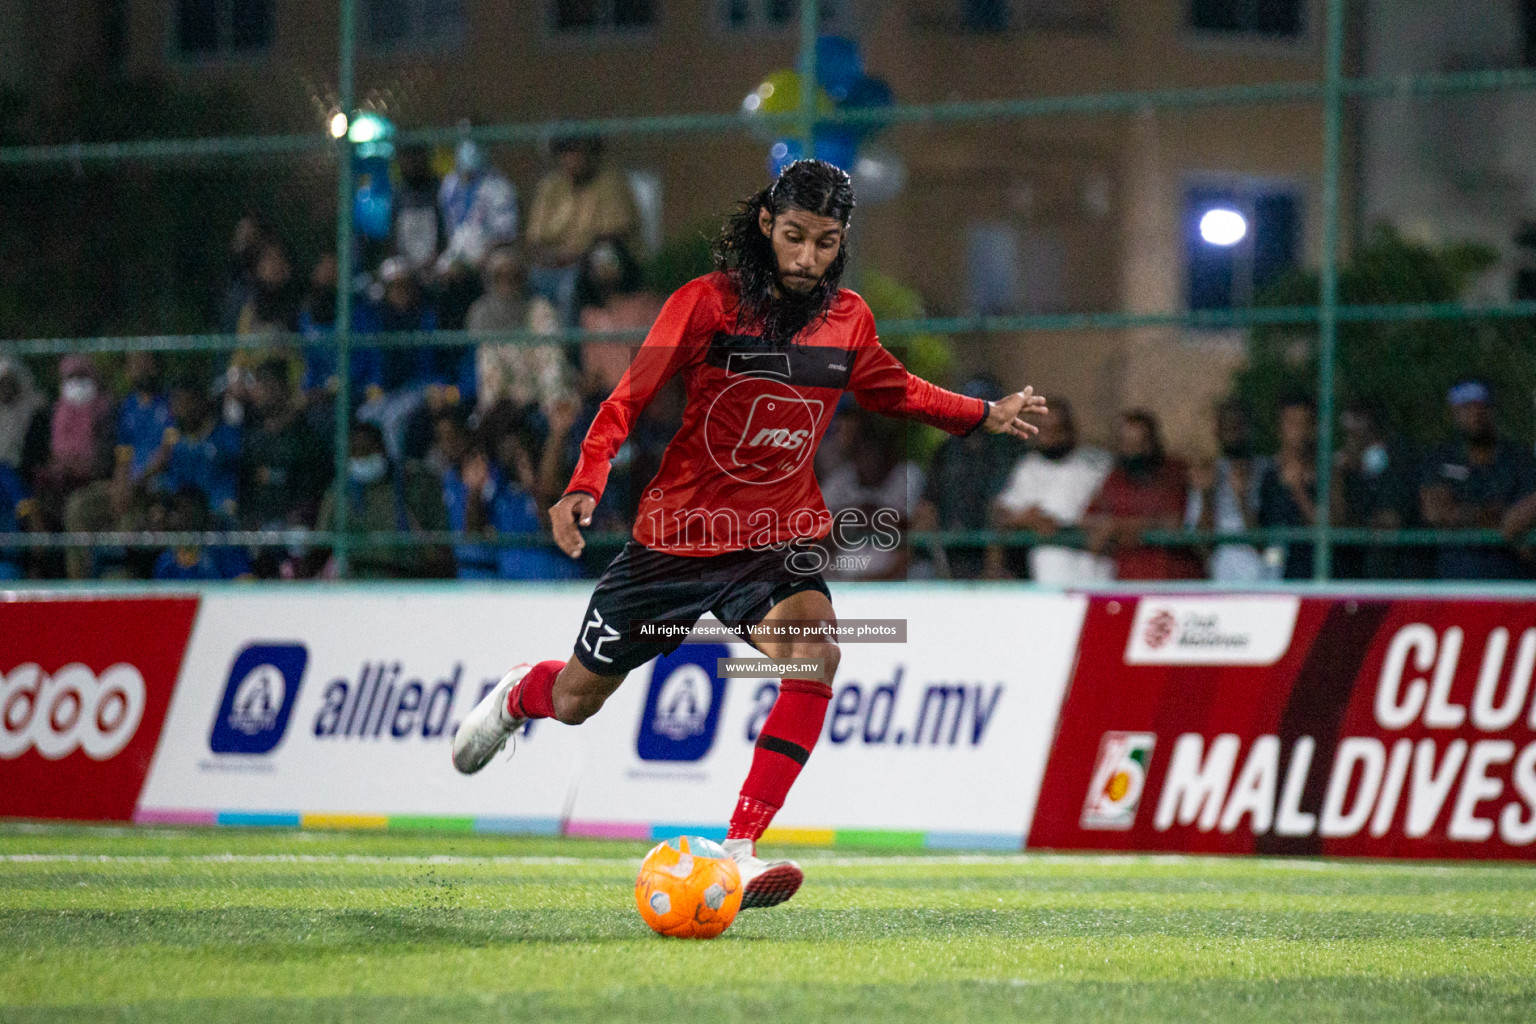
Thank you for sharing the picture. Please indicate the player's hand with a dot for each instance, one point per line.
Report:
(566, 518)
(1006, 415)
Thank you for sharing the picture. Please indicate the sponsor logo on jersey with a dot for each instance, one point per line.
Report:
(72, 709)
(258, 698)
(682, 706)
(1119, 777)
(1211, 631)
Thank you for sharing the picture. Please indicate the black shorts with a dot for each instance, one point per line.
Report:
(641, 585)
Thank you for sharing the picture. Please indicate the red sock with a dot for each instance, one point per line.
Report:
(785, 743)
(533, 696)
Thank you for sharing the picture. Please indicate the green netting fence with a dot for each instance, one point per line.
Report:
(1331, 91)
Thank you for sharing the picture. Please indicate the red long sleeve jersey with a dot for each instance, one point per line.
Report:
(740, 471)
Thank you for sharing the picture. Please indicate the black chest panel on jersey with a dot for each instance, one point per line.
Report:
(809, 366)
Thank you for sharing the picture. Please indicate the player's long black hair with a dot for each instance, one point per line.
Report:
(745, 253)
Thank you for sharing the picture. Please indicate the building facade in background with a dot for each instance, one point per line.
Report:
(1049, 214)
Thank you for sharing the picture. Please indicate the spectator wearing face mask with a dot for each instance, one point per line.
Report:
(80, 438)
(24, 420)
(1288, 488)
(1379, 477)
(1048, 490)
(1146, 490)
(479, 212)
(383, 497)
(1224, 498)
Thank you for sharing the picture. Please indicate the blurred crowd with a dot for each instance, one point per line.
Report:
(477, 440)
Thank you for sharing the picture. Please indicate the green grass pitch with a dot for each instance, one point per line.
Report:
(257, 926)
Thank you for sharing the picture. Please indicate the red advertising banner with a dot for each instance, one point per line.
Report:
(84, 689)
(1287, 725)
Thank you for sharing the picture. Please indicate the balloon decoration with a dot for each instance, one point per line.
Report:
(839, 65)
(878, 175)
(783, 153)
(841, 84)
(837, 146)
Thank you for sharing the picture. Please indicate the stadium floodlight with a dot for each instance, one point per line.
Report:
(1223, 226)
(373, 135)
(338, 125)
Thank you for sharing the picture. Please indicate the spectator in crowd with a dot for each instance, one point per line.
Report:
(200, 452)
(1379, 480)
(574, 205)
(284, 465)
(1146, 490)
(479, 209)
(24, 421)
(318, 384)
(273, 304)
(1288, 486)
(187, 512)
(410, 376)
(611, 296)
(80, 436)
(244, 243)
(383, 497)
(964, 477)
(506, 493)
(18, 514)
(1049, 490)
(1477, 481)
(120, 503)
(522, 374)
(1224, 498)
(145, 414)
(417, 231)
(871, 492)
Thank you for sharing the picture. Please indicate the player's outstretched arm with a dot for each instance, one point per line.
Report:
(567, 517)
(1006, 415)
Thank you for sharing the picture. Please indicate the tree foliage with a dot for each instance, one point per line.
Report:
(1399, 368)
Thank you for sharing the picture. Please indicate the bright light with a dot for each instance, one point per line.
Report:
(1223, 227)
(338, 125)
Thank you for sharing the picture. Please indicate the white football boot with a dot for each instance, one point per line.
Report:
(764, 883)
(488, 726)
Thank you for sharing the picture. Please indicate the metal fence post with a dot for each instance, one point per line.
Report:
(343, 331)
(1328, 301)
(809, 14)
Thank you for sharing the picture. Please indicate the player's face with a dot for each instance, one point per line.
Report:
(804, 245)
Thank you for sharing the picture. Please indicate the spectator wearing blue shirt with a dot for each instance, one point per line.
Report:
(188, 512)
(410, 377)
(200, 452)
(317, 325)
(17, 513)
(507, 495)
(145, 414)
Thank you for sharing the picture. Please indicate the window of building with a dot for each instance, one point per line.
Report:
(1238, 240)
(1276, 18)
(414, 24)
(602, 15)
(215, 28)
(745, 15)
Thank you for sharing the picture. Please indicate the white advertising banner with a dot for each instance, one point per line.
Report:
(312, 703)
(308, 707)
(946, 734)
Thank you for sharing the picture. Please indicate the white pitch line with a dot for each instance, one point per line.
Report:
(810, 857)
